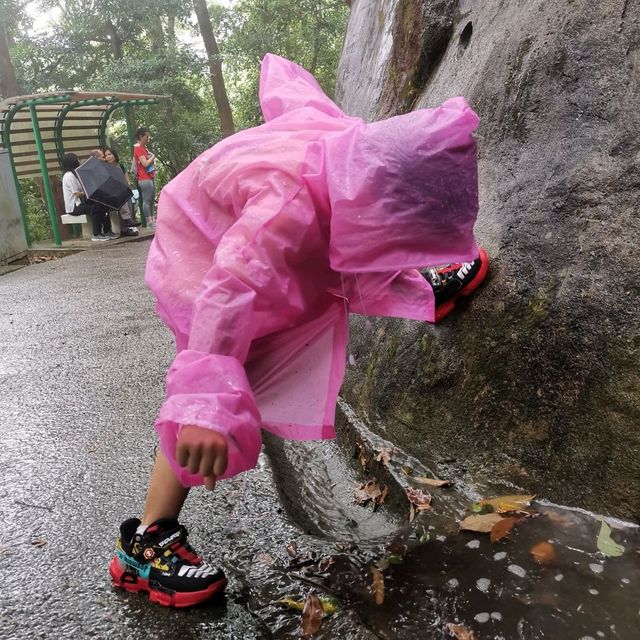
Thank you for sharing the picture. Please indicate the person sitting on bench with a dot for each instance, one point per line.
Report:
(76, 203)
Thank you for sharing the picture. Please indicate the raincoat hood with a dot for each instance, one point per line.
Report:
(397, 188)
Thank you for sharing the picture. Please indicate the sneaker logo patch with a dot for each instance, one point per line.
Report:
(169, 540)
(149, 553)
(142, 569)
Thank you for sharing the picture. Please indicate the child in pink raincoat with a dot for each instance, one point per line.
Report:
(264, 244)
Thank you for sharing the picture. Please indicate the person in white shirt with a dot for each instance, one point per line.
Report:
(75, 202)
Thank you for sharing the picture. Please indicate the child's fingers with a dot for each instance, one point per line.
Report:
(209, 483)
(220, 463)
(195, 455)
(182, 454)
(206, 463)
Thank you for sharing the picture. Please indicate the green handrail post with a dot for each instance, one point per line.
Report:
(45, 173)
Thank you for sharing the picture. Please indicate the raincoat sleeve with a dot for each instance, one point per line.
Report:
(261, 279)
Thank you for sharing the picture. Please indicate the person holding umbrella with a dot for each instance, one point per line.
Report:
(126, 210)
(76, 203)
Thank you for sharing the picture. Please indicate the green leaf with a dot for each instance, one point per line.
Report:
(606, 544)
(480, 508)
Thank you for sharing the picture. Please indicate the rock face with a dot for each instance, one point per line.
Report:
(537, 379)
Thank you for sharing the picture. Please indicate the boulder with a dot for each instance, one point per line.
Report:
(536, 379)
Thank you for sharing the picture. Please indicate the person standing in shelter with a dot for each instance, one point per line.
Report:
(264, 245)
(76, 203)
(128, 222)
(144, 162)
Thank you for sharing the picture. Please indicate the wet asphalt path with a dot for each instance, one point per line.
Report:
(83, 360)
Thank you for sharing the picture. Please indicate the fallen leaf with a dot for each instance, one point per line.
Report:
(421, 499)
(325, 563)
(378, 585)
(311, 614)
(39, 542)
(424, 538)
(481, 523)
(460, 633)
(481, 509)
(606, 544)
(544, 553)
(361, 454)
(292, 549)
(432, 482)
(290, 603)
(502, 529)
(383, 457)
(329, 605)
(412, 513)
(370, 491)
(406, 470)
(504, 504)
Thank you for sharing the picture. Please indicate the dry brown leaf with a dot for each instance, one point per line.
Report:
(311, 615)
(504, 504)
(460, 633)
(325, 563)
(502, 529)
(378, 585)
(383, 457)
(361, 454)
(412, 513)
(292, 549)
(432, 482)
(419, 498)
(544, 553)
(383, 495)
(482, 523)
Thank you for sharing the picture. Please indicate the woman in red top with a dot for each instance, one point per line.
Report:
(145, 174)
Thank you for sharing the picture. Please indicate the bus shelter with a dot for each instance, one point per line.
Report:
(38, 130)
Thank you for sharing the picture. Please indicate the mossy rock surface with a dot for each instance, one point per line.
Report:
(536, 379)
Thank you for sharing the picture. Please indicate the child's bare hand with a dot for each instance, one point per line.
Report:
(202, 451)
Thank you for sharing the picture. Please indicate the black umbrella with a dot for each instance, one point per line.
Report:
(104, 183)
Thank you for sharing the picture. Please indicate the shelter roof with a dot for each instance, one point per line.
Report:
(73, 121)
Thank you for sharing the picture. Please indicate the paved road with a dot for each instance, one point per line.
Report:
(81, 378)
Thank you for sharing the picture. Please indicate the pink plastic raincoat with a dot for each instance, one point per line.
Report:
(268, 239)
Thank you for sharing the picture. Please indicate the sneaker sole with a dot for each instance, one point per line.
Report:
(133, 584)
(444, 310)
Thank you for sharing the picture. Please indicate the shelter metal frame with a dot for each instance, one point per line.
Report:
(37, 130)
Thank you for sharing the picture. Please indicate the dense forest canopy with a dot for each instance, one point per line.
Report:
(206, 58)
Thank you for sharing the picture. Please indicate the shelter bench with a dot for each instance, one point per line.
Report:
(85, 223)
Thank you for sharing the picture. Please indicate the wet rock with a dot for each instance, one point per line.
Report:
(536, 379)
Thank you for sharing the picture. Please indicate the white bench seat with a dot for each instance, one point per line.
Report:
(87, 228)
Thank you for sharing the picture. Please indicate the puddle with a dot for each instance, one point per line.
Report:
(435, 575)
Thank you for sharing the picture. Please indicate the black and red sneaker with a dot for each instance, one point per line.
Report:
(453, 281)
(161, 562)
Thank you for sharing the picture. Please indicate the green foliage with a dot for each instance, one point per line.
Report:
(36, 212)
(309, 32)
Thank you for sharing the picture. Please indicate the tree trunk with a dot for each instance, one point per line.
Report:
(114, 39)
(215, 67)
(156, 33)
(8, 83)
(171, 32)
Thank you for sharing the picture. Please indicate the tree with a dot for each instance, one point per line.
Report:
(215, 67)
(12, 17)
